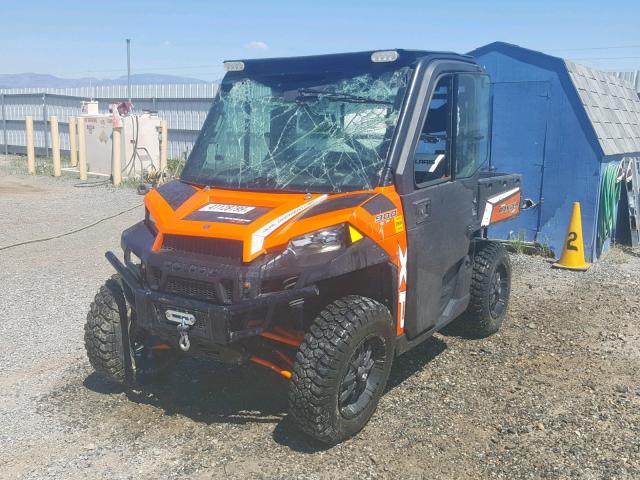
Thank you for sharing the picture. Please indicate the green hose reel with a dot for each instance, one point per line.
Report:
(609, 198)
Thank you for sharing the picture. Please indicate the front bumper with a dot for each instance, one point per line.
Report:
(215, 324)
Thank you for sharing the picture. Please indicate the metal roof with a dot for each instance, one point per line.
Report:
(612, 105)
(633, 77)
(178, 90)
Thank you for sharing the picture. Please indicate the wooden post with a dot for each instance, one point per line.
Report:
(116, 163)
(55, 146)
(82, 150)
(31, 152)
(4, 125)
(164, 143)
(73, 147)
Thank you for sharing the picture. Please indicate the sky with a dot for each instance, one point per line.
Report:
(192, 37)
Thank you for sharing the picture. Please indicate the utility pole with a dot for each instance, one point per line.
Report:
(129, 68)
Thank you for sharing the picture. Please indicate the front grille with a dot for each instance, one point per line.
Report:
(219, 291)
(195, 289)
(227, 290)
(217, 247)
(154, 276)
(201, 321)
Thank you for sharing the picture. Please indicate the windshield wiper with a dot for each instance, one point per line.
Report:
(307, 93)
(261, 181)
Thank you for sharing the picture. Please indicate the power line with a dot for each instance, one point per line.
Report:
(615, 47)
(608, 58)
(205, 68)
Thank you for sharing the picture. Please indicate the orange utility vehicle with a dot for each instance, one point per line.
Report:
(331, 216)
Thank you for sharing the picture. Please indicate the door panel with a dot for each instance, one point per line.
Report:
(438, 209)
(441, 208)
(520, 113)
(437, 218)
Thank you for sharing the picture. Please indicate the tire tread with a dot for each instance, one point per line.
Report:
(477, 318)
(317, 363)
(102, 331)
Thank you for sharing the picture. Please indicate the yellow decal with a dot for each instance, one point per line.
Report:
(398, 222)
(354, 234)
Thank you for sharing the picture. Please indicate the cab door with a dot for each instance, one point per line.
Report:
(440, 209)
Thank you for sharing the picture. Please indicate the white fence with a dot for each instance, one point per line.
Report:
(184, 106)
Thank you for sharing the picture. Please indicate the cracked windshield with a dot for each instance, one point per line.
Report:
(294, 133)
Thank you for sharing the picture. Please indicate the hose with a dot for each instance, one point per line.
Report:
(92, 184)
(609, 198)
(131, 161)
(38, 240)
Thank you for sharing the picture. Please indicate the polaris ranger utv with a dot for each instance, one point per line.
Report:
(331, 216)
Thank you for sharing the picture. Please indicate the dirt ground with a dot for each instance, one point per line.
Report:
(554, 395)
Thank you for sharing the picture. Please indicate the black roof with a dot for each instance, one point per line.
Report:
(342, 61)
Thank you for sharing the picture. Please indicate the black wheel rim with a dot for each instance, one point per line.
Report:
(499, 291)
(363, 377)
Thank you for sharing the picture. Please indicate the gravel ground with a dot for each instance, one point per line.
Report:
(554, 395)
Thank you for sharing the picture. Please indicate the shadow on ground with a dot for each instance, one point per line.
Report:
(208, 392)
(631, 251)
(404, 367)
(457, 328)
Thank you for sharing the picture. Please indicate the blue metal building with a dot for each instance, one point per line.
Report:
(561, 125)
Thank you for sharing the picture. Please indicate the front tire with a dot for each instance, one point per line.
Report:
(115, 349)
(342, 368)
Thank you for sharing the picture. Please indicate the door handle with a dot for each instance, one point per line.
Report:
(422, 210)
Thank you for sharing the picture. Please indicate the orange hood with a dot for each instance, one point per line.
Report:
(263, 221)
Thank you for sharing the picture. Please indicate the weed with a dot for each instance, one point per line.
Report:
(517, 241)
(174, 168)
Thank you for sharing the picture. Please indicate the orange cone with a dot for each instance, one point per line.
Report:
(572, 257)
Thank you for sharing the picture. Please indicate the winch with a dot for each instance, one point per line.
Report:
(185, 321)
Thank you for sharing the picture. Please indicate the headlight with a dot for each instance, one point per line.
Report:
(321, 241)
(134, 259)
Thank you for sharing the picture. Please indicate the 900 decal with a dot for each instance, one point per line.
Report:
(384, 216)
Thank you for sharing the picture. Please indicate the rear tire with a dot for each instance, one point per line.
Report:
(342, 368)
(490, 290)
(118, 360)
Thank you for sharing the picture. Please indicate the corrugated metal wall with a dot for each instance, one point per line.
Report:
(184, 106)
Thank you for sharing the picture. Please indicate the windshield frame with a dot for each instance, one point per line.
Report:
(190, 172)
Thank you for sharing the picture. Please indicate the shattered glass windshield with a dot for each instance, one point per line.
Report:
(299, 132)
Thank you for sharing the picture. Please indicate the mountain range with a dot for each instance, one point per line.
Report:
(39, 80)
